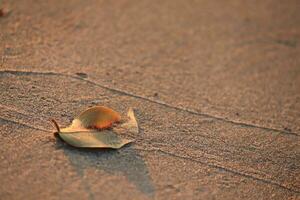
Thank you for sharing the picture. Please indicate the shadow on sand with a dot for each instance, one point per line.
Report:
(125, 161)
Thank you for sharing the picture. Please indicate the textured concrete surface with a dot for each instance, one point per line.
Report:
(215, 86)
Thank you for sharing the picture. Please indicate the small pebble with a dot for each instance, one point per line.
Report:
(82, 75)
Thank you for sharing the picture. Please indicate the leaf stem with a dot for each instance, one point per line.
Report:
(55, 124)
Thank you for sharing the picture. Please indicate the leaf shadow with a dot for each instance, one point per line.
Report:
(126, 161)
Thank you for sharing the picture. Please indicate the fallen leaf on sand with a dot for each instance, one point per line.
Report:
(99, 127)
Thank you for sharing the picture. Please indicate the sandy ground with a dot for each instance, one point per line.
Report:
(215, 86)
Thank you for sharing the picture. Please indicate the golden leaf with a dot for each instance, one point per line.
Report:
(98, 127)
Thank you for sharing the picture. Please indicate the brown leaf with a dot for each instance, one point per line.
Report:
(98, 117)
(91, 129)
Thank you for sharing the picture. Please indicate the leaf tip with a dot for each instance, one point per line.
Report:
(130, 113)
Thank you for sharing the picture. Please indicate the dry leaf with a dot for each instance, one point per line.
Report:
(98, 127)
(98, 117)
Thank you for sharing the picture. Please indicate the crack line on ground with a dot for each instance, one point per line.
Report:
(233, 171)
(185, 158)
(222, 168)
(25, 125)
(151, 100)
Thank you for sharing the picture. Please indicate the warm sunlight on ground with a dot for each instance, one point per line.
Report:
(212, 88)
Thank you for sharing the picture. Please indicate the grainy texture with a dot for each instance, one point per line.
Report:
(215, 86)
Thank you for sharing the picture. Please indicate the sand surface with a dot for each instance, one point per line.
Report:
(215, 86)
